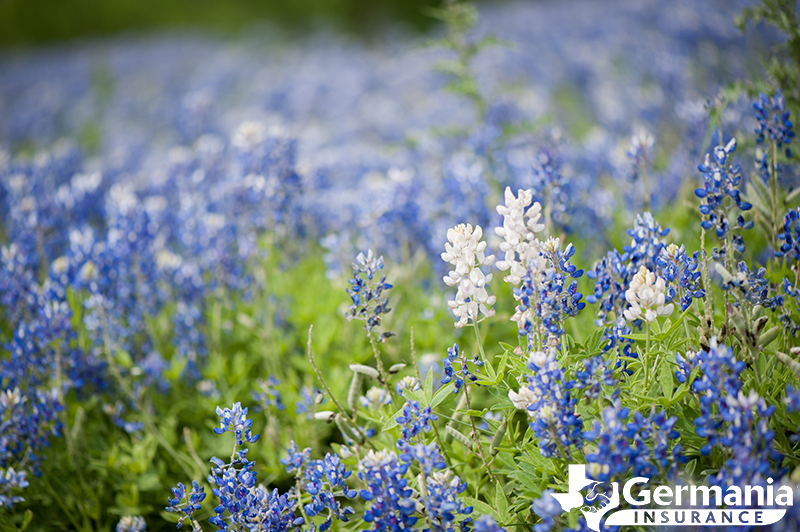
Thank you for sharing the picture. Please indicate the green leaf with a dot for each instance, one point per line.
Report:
(482, 508)
(429, 387)
(392, 421)
(444, 394)
(666, 380)
(501, 503)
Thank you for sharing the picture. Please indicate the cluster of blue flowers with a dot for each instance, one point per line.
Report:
(554, 418)
(730, 419)
(242, 503)
(634, 445)
(369, 302)
(774, 127)
(460, 374)
(722, 179)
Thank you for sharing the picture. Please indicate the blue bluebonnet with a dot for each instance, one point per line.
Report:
(427, 455)
(595, 373)
(391, 502)
(548, 509)
(633, 445)
(243, 503)
(774, 125)
(460, 374)
(442, 503)
(131, 523)
(296, 459)
(546, 296)
(186, 503)
(486, 523)
(792, 399)
(11, 482)
(415, 420)
(308, 400)
(682, 273)
(721, 180)
(611, 275)
(235, 420)
(324, 480)
(732, 421)
(267, 396)
(368, 300)
(788, 318)
(790, 236)
(554, 419)
(551, 188)
(751, 286)
(646, 242)
(640, 152)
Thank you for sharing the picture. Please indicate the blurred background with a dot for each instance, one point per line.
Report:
(28, 22)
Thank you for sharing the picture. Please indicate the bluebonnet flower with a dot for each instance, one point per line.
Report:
(641, 445)
(548, 509)
(116, 412)
(369, 302)
(546, 298)
(186, 503)
(235, 420)
(242, 503)
(552, 411)
(267, 396)
(442, 503)
(308, 400)
(792, 399)
(130, 523)
(678, 268)
(749, 286)
(611, 276)
(775, 126)
(790, 236)
(520, 222)
(721, 179)
(640, 152)
(408, 383)
(459, 374)
(10, 482)
(486, 523)
(647, 297)
(415, 420)
(551, 188)
(376, 397)
(324, 480)
(646, 242)
(296, 459)
(732, 421)
(595, 373)
(466, 252)
(426, 455)
(391, 503)
(786, 318)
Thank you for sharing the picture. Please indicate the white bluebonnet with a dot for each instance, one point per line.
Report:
(376, 397)
(467, 253)
(647, 297)
(520, 224)
(408, 382)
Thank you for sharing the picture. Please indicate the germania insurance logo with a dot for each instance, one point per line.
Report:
(680, 505)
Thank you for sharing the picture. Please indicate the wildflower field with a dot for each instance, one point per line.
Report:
(274, 284)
